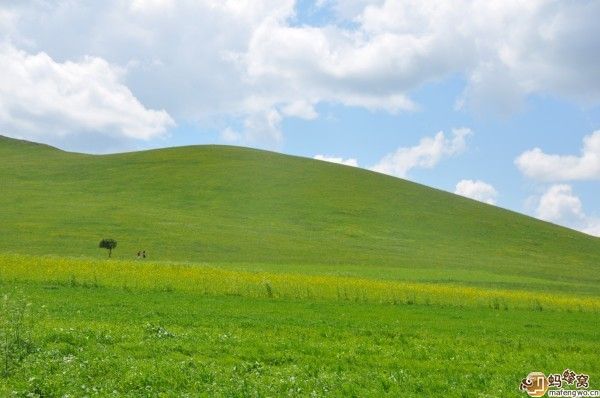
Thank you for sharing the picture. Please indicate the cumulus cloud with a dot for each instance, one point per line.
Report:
(561, 206)
(592, 227)
(151, 5)
(264, 127)
(300, 109)
(427, 154)
(506, 50)
(545, 167)
(330, 65)
(205, 60)
(348, 162)
(231, 136)
(178, 56)
(260, 128)
(478, 190)
(41, 98)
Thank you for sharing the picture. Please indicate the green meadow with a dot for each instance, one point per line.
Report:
(270, 275)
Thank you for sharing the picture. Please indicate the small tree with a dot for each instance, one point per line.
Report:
(109, 244)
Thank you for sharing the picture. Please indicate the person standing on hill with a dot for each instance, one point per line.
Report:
(144, 254)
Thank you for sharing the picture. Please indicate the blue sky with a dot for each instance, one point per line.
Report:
(452, 94)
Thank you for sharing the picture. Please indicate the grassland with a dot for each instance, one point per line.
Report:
(205, 280)
(271, 275)
(236, 205)
(111, 328)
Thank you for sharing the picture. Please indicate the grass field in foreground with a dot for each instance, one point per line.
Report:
(111, 328)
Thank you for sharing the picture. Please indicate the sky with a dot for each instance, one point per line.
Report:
(498, 101)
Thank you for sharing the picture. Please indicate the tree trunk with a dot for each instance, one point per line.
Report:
(109, 252)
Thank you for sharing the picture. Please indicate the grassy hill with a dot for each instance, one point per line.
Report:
(272, 275)
(223, 204)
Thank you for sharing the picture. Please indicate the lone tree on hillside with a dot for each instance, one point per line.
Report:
(109, 244)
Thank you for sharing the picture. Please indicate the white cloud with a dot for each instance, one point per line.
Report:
(330, 65)
(7, 21)
(260, 128)
(561, 206)
(506, 50)
(477, 190)
(300, 109)
(263, 128)
(41, 98)
(220, 59)
(348, 162)
(592, 227)
(541, 166)
(427, 154)
(230, 135)
(178, 56)
(151, 5)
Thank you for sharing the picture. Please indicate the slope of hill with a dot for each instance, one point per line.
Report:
(238, 205)
(425, 293)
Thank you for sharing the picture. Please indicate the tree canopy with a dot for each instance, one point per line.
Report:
(108, 244)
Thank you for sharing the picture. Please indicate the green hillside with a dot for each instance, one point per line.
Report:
(272, 275)
(223, 204)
